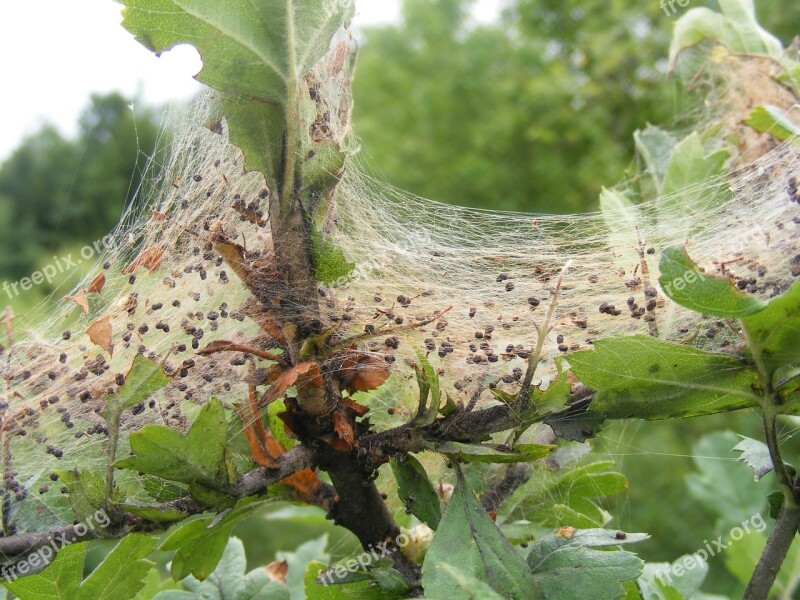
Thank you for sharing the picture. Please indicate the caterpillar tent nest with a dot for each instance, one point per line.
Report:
(192, 278)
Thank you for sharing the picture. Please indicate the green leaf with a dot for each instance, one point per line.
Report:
(475, 588)
(689, 165)
(564, 566)
(665, 581)
(255, 53)
(645, 378)
(428, 382)
(86, 491)
(685, 283)
(655, 146)
(121, 574)
(229, 580)
(469, 540)
(248, 48)
(766, 118)
(119, 577)
(756, 455)
(155, 514)
(493, 454)
(60, 580)
(276, 425)
(736, 28)
(412, 480)
(143, 379)
(195, 458)
(201, 542)
(576, 423)
(774, 331)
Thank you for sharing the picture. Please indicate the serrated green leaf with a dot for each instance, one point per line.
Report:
(255, 53)
(689, 165)
(195, 458)
(661, 380)
(121, 574)
(59, 581)
(119, 577)
(756, 455)
(201, 542)
(412, 480)
(736, 28)
(766, 118)
(774, 331)
(685, 283)
(469, 540)
(229, 580)
(493, 454)
(564, 567)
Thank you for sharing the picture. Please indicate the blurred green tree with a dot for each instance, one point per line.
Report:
(535, 112)
(55, 191)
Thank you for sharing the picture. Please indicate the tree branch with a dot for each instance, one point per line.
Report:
(778, 544)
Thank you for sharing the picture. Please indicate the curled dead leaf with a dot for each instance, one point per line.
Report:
(302, 374)
(150, 259)
(96, 285)
(276, 571)
(362, 372)
(80, 299)
(99, 333)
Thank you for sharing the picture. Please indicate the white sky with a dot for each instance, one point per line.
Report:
(54, 53)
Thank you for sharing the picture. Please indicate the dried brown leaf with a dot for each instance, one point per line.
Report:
(80, 299)
(96, 285)
(150, 259)
(100, 333)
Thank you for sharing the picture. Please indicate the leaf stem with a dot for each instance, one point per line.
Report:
(541, 334)
(290, 150)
